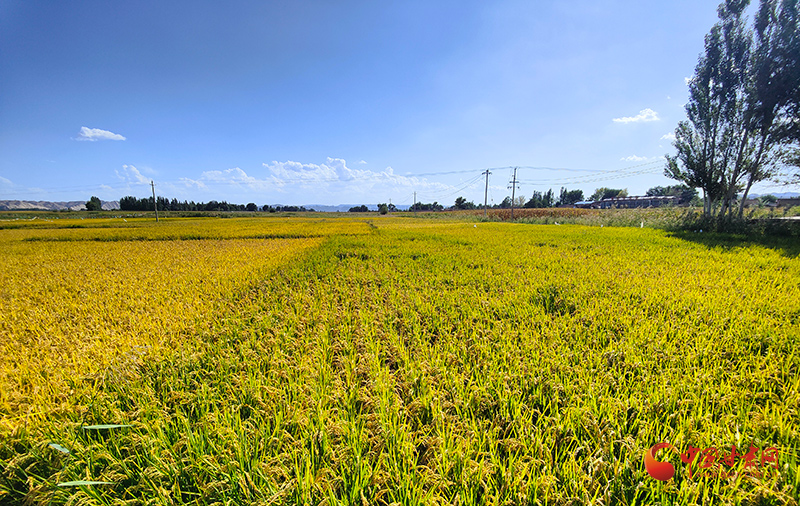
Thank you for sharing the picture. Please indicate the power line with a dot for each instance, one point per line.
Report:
(450, 193)
(659, 160)
(557, 182)
(440, 173)
(609, 175)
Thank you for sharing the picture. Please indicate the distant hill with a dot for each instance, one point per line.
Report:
(31, 205)
(343, 208)
(784, 195)
(79, 205)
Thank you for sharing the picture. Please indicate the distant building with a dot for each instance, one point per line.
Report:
(629, 202)
(789, 202)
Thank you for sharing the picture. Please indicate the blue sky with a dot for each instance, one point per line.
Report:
(330, 102)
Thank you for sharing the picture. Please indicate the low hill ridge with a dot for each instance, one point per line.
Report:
(73, 205)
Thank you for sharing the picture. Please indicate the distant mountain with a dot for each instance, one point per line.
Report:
(785, 195)
(79, 205)
(328, 209)
(31, 205)
(343, 208)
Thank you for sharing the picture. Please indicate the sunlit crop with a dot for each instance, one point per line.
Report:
(74, 304)
(395, 362)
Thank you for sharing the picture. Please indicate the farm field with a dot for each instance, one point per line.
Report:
(393, 361)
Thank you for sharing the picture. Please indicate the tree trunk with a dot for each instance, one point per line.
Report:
(753, 172)
(730, 193)
(744, 197)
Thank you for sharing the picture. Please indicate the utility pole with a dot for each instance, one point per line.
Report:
(155, 204)
(415, 202)
(486, 192)
(513, 187)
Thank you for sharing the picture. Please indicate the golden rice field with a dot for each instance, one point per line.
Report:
(394, 361)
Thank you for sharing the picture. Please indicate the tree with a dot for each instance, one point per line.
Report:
(358, 209)
(419, 206)
(791, 159)
(608, 193)
(568, 198)
(548, 199)
(540, 199)
(461, 204)
(129, 203)
(743, 104)
(94, 204)
(681, 191)
(383, 208)
(767, 200)
(777, 27)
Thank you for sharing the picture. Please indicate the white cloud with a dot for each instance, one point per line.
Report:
(6, 184)
(149, 171)
(191, 183)
(131, 174)
(334, 176)
(668, 137)
(304, 183)
(95, 134)
(633, 158)
(644, 115)
(334, 170)
(362, 162)
(225, 180)
(232, 176)
(637, 159)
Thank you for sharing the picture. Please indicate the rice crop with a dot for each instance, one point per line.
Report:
(71, 307)
(399, 362)
(141, 229)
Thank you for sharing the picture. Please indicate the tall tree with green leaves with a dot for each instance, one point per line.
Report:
(777, 31)
(539, 199)
(94, 204)
(608, 193)
(740, 105)
(569, 197)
